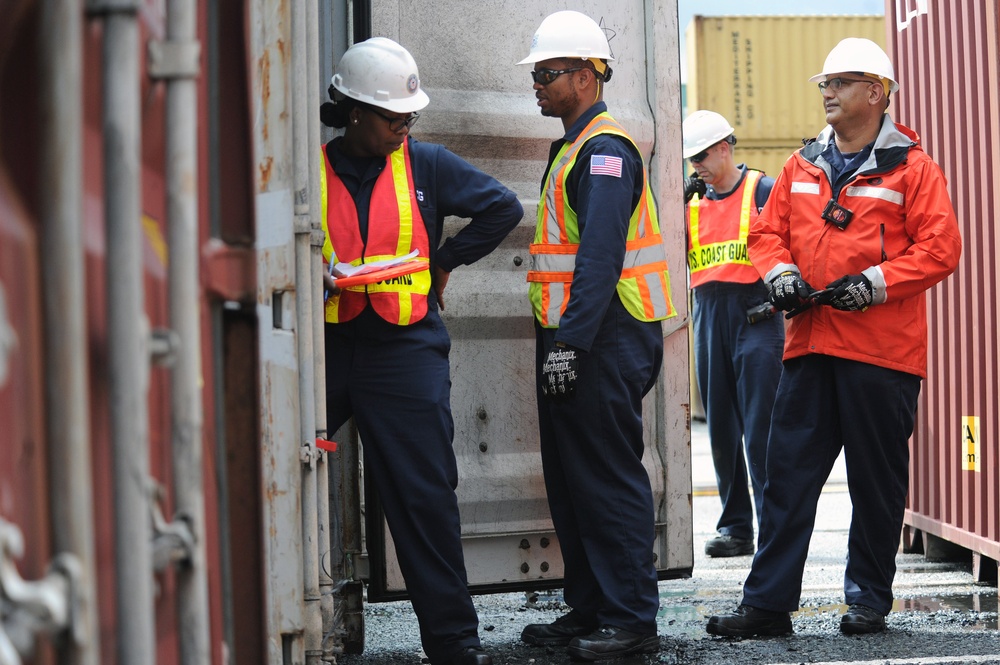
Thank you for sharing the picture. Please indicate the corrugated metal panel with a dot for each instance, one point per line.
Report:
(754, 70)
(946, 55)
(23, 494)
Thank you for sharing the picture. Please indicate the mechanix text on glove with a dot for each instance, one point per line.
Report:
(788, 291)
(851, 293)
(559, 373)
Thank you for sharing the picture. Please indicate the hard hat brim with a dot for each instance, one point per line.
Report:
(893, 86)
(551, 55)
(411, 105)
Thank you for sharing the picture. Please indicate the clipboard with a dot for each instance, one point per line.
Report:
(407, 268)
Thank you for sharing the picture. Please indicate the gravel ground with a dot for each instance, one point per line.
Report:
(940, 616)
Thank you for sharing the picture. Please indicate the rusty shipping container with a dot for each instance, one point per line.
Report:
(161, 483)
(753, 70)
(946, 56)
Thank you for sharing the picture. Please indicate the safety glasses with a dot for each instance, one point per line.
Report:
(546, 76)
(397, 124)
(700, 157)
(838, 82)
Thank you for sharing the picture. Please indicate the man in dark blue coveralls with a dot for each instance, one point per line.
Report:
(738, 361)
(599, 288)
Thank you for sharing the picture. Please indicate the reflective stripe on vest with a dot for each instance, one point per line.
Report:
(395, 228)
(715, 261)
(644, 285)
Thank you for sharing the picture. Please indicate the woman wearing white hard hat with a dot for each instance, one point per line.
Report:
(385, 196)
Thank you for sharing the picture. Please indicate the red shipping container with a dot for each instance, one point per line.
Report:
(946, 60)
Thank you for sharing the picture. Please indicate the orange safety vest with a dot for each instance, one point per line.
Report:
(644, 285)
(724, 258)
(395, 228)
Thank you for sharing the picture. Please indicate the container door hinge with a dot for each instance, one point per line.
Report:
(173, 542)
(164, 345)
(309, 453)
(51, 605)
(358, 568)
(174, 59)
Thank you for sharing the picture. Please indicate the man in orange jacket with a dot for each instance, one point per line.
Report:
(864, 212)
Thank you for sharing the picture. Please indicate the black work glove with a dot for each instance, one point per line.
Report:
(694, 185)
(850, 293)
(559, 372)
(788, 291)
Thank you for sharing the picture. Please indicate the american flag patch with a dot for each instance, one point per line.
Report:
(606, 165)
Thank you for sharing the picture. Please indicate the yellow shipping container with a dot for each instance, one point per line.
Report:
(754, 70)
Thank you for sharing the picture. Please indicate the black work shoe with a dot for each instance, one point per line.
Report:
(611, 642)
(861, 620)
(748, 621)
(559, 632)
(724, 545)
(471, 656)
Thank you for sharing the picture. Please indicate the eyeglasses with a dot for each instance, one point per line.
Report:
(397, 124)
(700, 157)
(546, 76)
(838, 82)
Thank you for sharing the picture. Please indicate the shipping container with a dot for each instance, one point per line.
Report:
(161, 358)
(754, 70)
(946, 56)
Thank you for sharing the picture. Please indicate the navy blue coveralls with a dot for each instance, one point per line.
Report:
(825, 404)
(591, 444)
(738, 365)
(395, 381)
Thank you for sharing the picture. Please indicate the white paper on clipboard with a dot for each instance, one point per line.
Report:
(347, 270)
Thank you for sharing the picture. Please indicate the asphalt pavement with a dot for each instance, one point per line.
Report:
(941, 615)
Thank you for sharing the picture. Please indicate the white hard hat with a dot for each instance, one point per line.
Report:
(702, 130)
(380, 72)
(568, 34)
(855, 54)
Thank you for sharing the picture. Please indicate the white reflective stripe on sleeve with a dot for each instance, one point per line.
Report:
(890, 195)
(805, 188)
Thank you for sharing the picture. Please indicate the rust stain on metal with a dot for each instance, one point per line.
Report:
(265, 172)
(264, 66)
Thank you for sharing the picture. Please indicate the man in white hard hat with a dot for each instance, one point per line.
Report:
(737, 358)
(864, 212)
(599, 345)
(386, 195)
